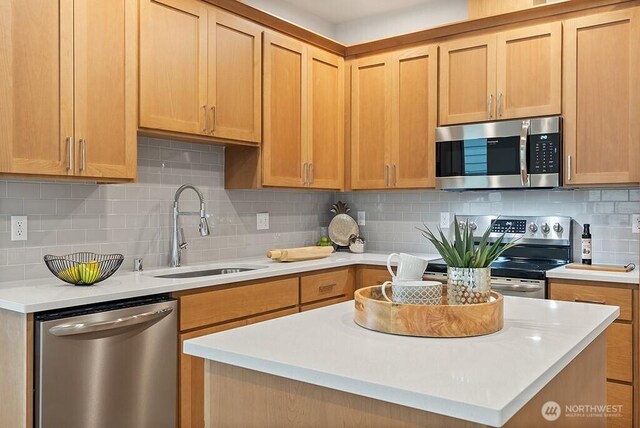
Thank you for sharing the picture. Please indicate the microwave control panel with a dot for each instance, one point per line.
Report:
(544, 152)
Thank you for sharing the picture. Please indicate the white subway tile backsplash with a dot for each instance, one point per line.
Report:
(615, 195)
(135, 219)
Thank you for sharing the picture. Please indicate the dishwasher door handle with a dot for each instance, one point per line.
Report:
(90, 327)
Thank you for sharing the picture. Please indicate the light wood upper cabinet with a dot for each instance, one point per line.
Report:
(36, 65)
(69, 108)
(467, 80)
(601, 63)
(511, 74)
(529, 71)
(325, 133)
(285, 80)
(303, 115)
(371, 128)
(173, 66)
(394, 104)
(199, 71)
(235, 77)
(415, 103)
(105, 88)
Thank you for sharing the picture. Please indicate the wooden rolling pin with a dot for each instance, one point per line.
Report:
(299, 254)
(605, 268)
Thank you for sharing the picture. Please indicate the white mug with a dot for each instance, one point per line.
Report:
(414, 292)
(410, 268)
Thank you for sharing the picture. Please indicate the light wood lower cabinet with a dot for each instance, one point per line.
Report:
(326, 288)
(601, 98)
(366, 276)
(222, 308)
(68, 108)
(619, 394)
(623, 365)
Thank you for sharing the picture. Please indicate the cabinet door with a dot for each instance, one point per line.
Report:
(235, 81)
(601, 93)
(285, 81)
(325, 120)
(105, 87)
(36, 65)
(192, 388)
(529, 71)
(415, 77)
(371, 122)
(467, 80)
(173, 66)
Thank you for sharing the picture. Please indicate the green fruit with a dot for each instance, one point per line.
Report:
(324, 239)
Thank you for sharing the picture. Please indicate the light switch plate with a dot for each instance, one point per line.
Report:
(445, 220)
(262, 221)
(361, 220)
(635, 223)
(18, 227)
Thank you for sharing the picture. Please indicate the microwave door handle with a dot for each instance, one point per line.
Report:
(524, 139)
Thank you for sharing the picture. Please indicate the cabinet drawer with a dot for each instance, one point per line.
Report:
(620, 395)
(620, 352)
(368, 276)
(594, 294)
(211, 307)
(324, 303)
(326, 284)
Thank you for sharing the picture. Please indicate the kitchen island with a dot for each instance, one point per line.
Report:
(321, 369)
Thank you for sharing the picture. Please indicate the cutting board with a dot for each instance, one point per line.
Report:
(605, 268)
(299, 254)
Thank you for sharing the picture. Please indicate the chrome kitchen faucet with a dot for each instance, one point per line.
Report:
(178, 243)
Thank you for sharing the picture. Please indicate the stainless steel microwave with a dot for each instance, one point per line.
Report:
(500, 155)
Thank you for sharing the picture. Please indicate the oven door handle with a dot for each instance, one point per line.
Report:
(524, 139)
(525, 288)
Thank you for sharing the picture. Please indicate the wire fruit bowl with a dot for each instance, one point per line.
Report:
(83, 268)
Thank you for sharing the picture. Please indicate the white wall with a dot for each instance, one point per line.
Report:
(429, 14)
(403, 21)
(295, 15)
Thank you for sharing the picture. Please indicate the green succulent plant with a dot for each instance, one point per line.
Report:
(462, 252)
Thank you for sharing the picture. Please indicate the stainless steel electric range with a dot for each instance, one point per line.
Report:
(544, 243)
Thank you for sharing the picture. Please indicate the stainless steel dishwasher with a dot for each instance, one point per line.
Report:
(108, 365)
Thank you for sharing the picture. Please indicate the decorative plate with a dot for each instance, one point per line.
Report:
(341, 228)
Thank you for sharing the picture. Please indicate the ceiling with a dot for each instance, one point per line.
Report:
(339, 11)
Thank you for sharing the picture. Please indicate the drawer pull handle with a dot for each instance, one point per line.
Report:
(595, 302)
(326, 288)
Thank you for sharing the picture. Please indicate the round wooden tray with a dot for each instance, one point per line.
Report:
(376, 313)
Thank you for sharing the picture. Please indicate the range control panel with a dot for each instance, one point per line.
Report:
(508, 226)
(528, 229)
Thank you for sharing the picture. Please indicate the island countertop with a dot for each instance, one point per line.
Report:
(484, 379)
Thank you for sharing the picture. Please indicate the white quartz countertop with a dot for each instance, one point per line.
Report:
(484, 379)
(52, 293)
(562, 272)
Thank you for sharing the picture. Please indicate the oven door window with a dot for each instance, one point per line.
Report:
(478, 157)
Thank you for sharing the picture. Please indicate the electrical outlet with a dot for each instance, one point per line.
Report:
(262, 221)
(635, 223)
(361, 221)
(445, 220)
(18, 227)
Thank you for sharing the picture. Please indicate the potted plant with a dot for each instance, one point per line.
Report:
(468, 271)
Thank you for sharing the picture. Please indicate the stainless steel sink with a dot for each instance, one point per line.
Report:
(208, 272)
